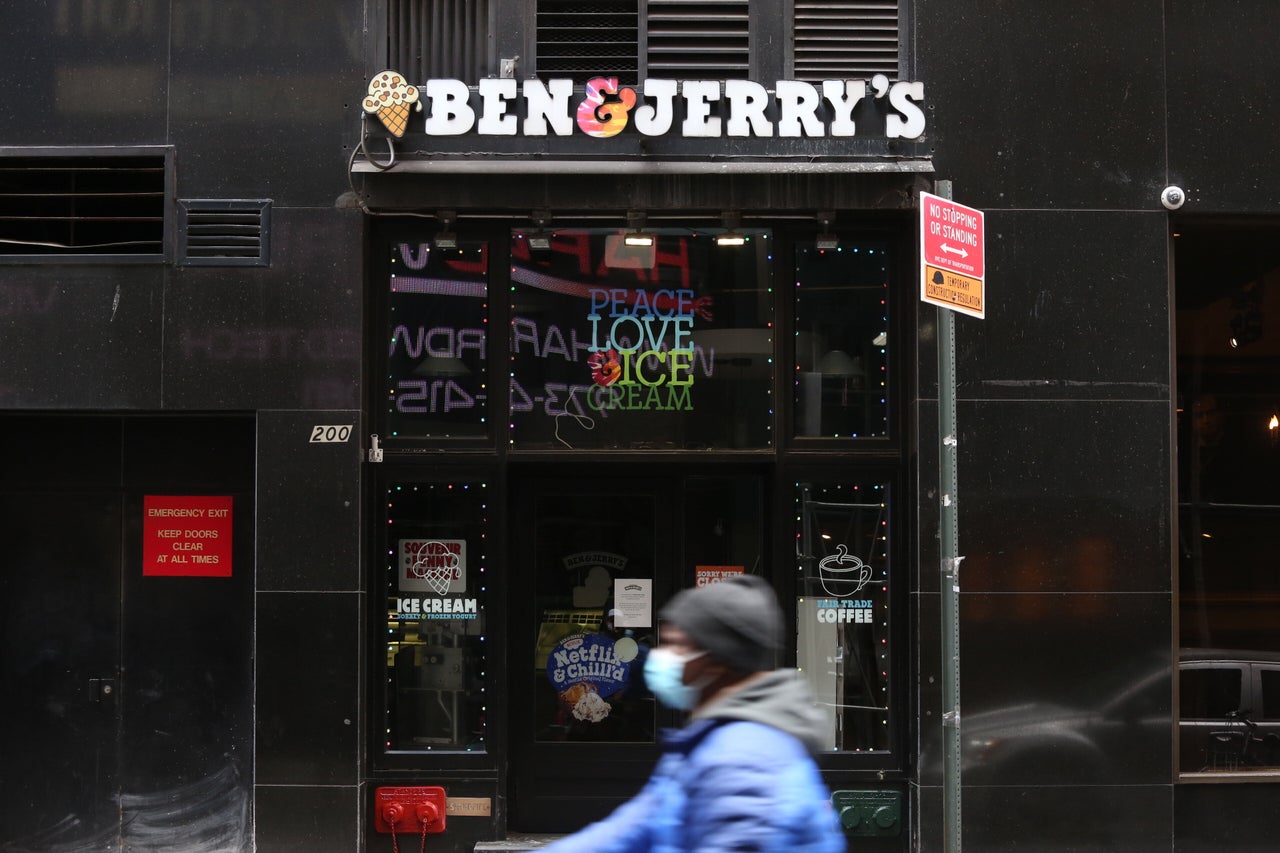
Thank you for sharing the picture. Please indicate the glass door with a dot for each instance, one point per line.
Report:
(588, 564)
(593, 561)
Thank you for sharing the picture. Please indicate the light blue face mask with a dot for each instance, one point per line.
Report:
(664, 674)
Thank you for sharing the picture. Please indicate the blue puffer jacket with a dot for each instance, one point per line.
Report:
(738, 779)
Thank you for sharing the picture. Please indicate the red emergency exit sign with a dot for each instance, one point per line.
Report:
(186, 535)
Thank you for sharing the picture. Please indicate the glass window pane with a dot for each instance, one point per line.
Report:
(723, 519)
(842, 608)
(1229, 449)
(435, 639)
(666, 346)
(437, 320)
(842, 329)
(1228, 486)
(1210, 693)
(588, 664)
(1269, 680)
(1227, 564)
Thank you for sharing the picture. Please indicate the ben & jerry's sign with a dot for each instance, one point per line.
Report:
(691, 108)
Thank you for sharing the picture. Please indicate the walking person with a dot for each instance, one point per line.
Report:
(740, 775)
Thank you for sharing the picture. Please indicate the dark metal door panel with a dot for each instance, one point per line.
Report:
(60, 612)
(128, 717)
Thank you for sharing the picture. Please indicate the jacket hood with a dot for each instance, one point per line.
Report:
(779, 698)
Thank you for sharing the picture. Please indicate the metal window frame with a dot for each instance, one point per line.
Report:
(106, 152)
(187, 205)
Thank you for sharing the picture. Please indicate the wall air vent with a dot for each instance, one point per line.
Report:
(839, 39)
(105, 207)
(584, 38)
(217, 232)
(708, 40)
(429, 39)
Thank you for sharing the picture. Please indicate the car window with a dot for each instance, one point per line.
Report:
(1211, 692)
(1270, 678)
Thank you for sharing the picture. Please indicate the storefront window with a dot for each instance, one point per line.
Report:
(437, 315)
(842, 329)
(663, 346)
(1228, 342)
(436, 656)
(842, 609)
(724, 523)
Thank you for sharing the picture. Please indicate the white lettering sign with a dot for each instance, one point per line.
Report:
(702, 108)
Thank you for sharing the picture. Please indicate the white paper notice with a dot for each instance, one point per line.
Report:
(633, 599)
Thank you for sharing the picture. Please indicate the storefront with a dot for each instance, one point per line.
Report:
(662, 412)
(637, 337)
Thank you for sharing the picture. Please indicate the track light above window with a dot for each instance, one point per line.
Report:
(445, 238)
(731, 236)
(636, 235)
(826, 240)
(540, 239)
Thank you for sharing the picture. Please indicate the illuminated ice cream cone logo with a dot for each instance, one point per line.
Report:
(842, 574)
(438, 570)
(391, 99)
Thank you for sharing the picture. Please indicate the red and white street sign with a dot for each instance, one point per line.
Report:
(952, 255)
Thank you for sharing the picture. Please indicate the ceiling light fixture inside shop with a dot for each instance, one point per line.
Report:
(731, 236)
(446, 239)
(826, 240)
(637, 236)
(540, 239)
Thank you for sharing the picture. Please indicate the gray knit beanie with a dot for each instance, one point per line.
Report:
(736, 620)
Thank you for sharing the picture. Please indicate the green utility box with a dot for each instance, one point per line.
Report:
(877, 814)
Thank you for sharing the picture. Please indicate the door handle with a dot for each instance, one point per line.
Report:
(102, 689)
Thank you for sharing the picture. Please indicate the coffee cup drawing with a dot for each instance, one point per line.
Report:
(843, 571)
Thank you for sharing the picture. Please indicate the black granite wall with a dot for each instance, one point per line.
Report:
(1064, 123)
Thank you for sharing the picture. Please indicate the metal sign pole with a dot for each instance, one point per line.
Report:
(949, 542)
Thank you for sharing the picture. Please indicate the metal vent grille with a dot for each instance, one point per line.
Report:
(709, 39)
(429, 39)
(837, 39)
(82, 206)
(584, 38)
(224, 233)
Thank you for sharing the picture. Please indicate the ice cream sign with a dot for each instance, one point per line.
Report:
(391, 99)
(433, 565)
(691, 108)
(587, 658)
(585, 669)
(645, 345)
